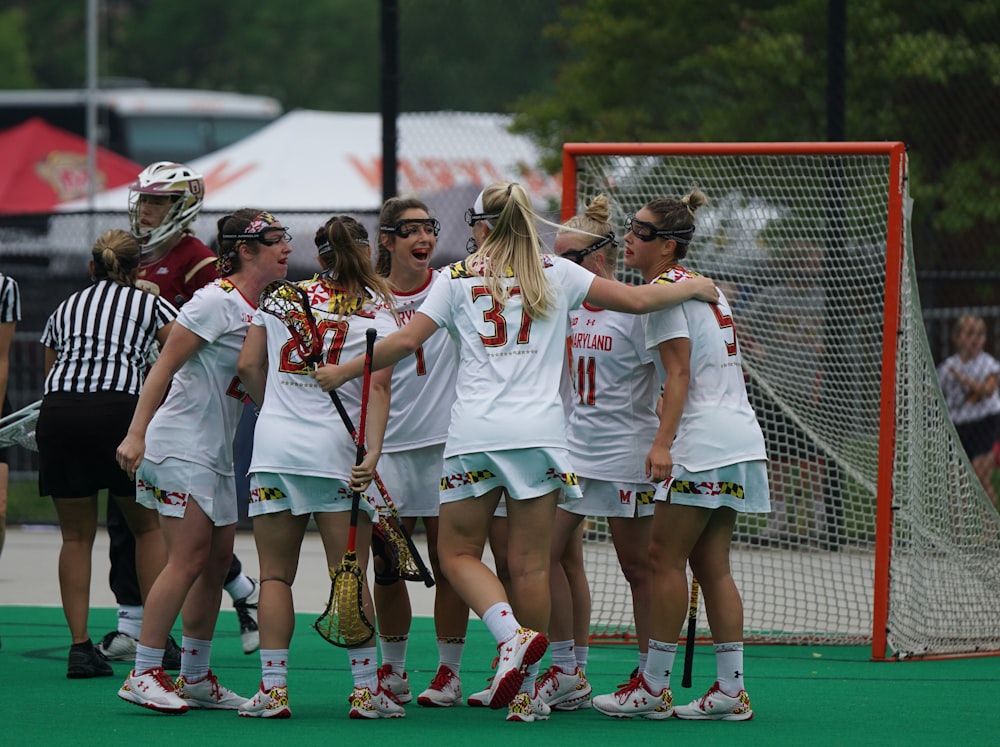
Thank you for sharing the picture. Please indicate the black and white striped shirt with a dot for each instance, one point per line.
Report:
(102, 337)
(10, 300)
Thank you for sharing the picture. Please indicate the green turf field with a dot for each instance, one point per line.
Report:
(800, 695)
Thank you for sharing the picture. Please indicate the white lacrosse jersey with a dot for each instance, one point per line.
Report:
(613, 420)
(718, 426)
(956, 396)
(197, 421)
(423, 384)
(507, 393)
(298, 429)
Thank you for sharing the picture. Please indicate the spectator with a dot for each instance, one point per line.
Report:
(968, 380)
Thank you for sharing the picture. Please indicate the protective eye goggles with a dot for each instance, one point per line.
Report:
(258, 236)
(472, 217)
(273, 238)
(406, 228)
(648, 232)
(577, 255)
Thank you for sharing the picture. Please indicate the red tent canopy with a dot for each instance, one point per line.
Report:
(42, 166)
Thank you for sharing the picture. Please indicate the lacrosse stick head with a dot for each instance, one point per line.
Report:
(344, 623)
(289, 303)
(385, 554)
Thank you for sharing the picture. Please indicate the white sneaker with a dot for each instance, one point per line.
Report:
(524, 708)
(246, 611)
(513, 659)
(208, 693)
(480, 699)
(395, 685)
(117, 646)
(152, 689)
(715, 705)
(445, 689)
(564, 691)
(271, 703)
(636, 699)
(378, 704)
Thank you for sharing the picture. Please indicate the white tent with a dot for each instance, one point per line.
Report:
(321, 161)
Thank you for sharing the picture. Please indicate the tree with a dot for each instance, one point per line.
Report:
(15, 67)
(927, 74)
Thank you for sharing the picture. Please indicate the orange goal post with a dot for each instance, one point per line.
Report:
(880, 533)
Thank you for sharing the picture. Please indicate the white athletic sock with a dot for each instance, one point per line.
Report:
(659, 662)
(501, 622)
(581, 652)
(239, 588)
(394, 652)
(195, 656)
(364, 667)
(729, 667)
(147, 657)
(450, 653)
(642, 660)
(130, 620)
(273, 667)
(530, 677)
(563, 656)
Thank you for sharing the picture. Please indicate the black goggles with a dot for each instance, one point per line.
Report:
(577, 255)
(265, 236)
(648, 232)
(472, 217)
(406, 228)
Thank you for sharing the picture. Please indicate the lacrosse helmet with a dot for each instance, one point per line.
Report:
(175, 180)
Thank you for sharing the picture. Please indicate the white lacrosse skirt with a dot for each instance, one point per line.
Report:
(742, 487)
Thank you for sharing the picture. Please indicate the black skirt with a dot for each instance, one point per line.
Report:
(77, 437)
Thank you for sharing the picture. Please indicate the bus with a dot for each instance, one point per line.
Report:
(147, 124)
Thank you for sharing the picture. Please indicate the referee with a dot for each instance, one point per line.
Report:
(97, 343)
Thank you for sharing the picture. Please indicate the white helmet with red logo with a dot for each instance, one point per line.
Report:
(183, 184)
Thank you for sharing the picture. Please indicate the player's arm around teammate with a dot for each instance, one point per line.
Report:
(505, 301)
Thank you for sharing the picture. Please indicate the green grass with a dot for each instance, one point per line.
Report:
(25, 506)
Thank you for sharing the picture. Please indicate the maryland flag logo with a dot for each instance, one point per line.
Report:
(226, 284)
(324, 295)
(465, 478)
(707, 488)
(675, 274)
(259, 495)
(165, 497)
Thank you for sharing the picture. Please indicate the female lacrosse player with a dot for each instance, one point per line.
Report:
(182, 457)
(423, 390)
(507, 306)
(303, 456)
(162, 202)
(96, 343)
(611, 424)
(708, 458)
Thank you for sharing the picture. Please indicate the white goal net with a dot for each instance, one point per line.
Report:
(879, 532)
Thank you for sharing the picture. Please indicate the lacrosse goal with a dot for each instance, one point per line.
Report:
(880, 533)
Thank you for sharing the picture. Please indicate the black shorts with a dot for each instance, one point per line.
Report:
(77, 437)
(978, 436)
(4, 412)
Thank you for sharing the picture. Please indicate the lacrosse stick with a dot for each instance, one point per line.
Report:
(18, 428)
(290, 303)
(343, 622)
(411, 565)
